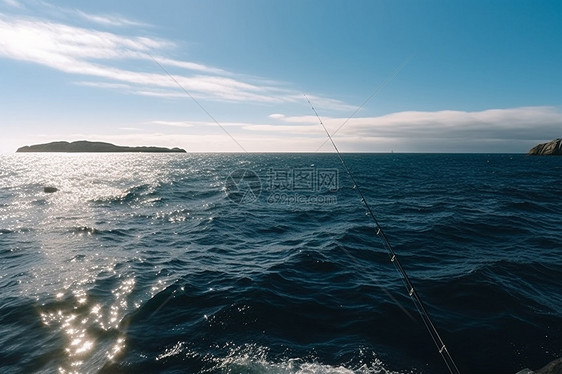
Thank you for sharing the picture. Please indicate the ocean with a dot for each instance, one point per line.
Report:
(268, 263)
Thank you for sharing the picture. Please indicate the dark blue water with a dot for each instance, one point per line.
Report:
(164, 263)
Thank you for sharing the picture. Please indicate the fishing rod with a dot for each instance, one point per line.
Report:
(439, 343)
(393, 258)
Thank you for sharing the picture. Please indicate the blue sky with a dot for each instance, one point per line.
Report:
(408, 76)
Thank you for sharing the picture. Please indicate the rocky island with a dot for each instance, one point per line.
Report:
(87, 146)
(552, 148)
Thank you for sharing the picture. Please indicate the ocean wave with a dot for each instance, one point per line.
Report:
(139, 194)
(112, 234)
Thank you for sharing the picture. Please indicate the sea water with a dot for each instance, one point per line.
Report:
(268, 263)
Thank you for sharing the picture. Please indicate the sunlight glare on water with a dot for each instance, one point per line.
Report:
(66, 225)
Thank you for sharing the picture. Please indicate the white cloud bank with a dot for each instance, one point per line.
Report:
(511, 123)
(494, 130)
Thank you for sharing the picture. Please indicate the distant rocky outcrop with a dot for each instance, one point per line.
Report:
(555, 367)
(552, 148)
(86, 146)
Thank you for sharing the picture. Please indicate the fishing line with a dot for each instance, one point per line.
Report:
(394, 259)
(376, 91)
(197, 102)
(214, 120)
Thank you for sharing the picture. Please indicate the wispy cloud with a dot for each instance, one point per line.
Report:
(119, 86)
(56, 44)
(276, 116)
(192, 66)
(12, 3)
(172, 123)
(108, 20)
(287, 130)
(105, 20)
(109, 56)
